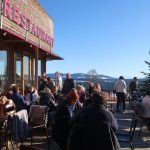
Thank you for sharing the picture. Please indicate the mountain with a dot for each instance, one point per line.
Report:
(80, 76)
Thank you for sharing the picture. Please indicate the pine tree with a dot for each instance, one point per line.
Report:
(147, 76)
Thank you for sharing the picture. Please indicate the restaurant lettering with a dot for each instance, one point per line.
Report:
(14, 14)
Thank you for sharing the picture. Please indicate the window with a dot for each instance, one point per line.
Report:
(26, 70)
(18, 67)
(3, 69)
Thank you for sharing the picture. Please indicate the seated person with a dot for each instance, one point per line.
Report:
(18, 98)
(146, 104)
(32, 96)
(146, 107)
(47, 99)
(88, 130)
(7, 106)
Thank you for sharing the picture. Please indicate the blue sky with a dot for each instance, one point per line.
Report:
(110, 36)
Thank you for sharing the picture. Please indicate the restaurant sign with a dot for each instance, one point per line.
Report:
(27, 18)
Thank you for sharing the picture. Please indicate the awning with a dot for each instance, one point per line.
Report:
(7, 38)
(53, 56)
(49, 55)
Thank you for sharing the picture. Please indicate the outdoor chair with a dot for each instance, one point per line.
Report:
(139, 111)
(38, 117)
(128, 138)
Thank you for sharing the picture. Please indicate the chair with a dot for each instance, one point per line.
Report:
(139, 111)
(38, 117)
(5, 132)
(128, 138)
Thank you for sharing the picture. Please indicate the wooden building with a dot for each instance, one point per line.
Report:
(26, 42)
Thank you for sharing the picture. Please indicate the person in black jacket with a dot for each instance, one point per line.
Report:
(69, 83)
(134, 85)
(65, 111)
(91, 128)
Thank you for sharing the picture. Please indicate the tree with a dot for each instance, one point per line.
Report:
(147, 76)
(92, 75)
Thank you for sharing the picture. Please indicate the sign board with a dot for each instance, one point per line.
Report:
(29, 21)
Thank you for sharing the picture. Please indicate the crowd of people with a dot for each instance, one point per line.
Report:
(73, 108)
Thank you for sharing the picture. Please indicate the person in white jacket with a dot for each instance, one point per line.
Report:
(121, 90)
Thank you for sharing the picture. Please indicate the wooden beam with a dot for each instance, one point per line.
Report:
(36, 67)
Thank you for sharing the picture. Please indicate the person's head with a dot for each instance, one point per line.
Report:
(54, 89)
(97, 86)
(12, 85)
(49, 79)
(43, 80)
(80, 90)
(73, 96)
(98, 97)
(57, 74)
(121, 77)
(3, 100)
(135, 78)
(16, 89)
(68, 75)
(31, 88)
(47, 90)
(44, 74)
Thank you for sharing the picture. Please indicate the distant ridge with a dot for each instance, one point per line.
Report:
(80, 76)
(106, 82)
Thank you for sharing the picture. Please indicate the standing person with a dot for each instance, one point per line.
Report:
(58, 81)
(69, 83)
(87, 130)
(134, 85)
(121, 90)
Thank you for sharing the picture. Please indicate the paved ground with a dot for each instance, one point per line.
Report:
(141, 142)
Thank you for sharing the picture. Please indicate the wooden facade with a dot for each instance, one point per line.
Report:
(26, 42)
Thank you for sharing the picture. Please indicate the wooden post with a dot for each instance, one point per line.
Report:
(32, 72)
(43, 65)
(22, 71)
(36, 67)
